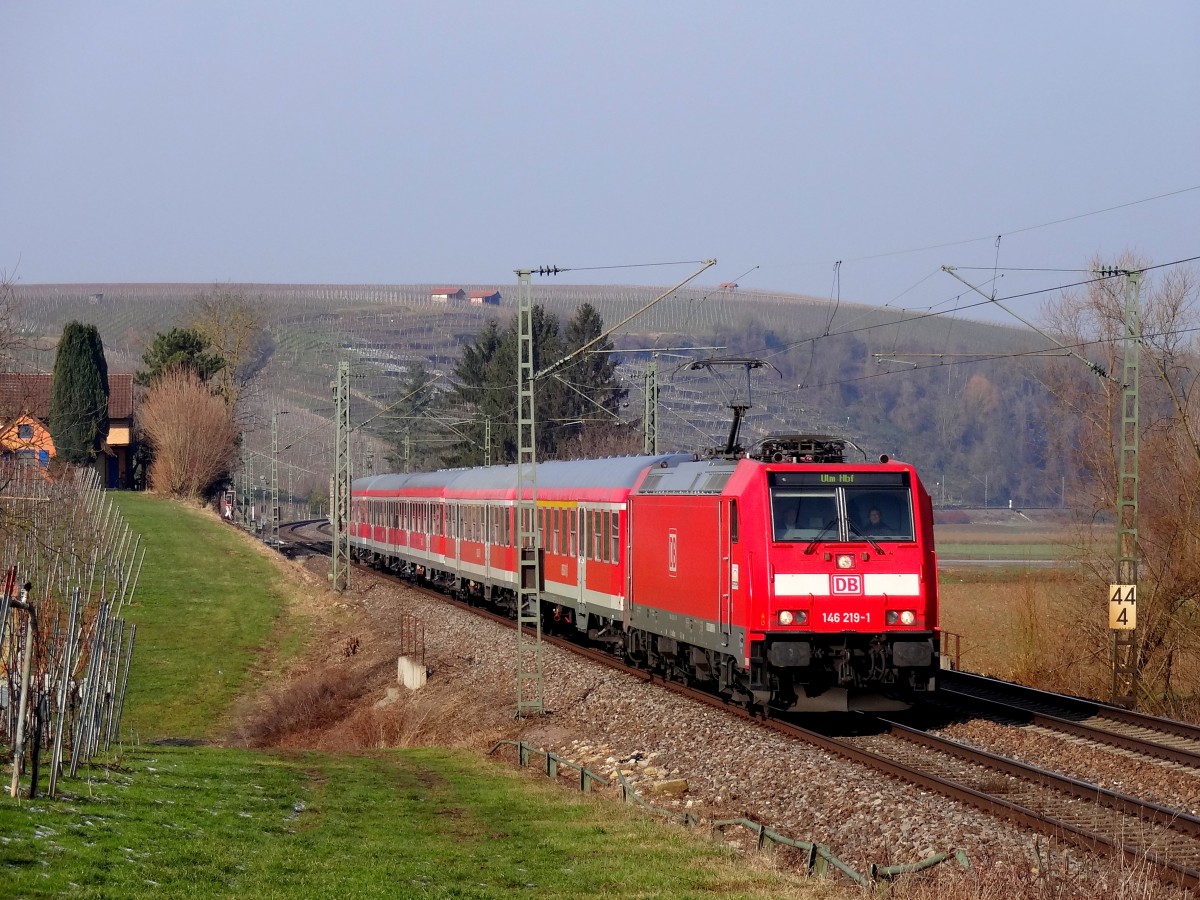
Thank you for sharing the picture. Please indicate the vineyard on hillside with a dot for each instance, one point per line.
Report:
(945, 393)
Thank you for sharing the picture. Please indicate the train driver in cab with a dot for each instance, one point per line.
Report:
(875, 524)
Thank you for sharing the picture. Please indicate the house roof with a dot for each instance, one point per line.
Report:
(29, 392)
(480, 294)
(446, 291)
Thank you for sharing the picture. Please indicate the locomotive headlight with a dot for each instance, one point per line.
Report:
(892, 617)
(786, 617)
(908, 617)
(845, 561)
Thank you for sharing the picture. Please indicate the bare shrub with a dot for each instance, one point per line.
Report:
(1052, 874)
(305, 705)
(414, 719)
(191, 433)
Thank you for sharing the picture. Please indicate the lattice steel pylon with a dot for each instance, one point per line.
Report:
(650, 416)
(275, 476)
(339, 483)
(530, 687)
(1124, 642)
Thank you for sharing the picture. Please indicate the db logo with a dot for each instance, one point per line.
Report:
(847, 584)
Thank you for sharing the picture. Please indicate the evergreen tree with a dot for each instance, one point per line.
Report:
(414, 413)
(79, 395)
(179, 348)
(486, 383)
(593, 374)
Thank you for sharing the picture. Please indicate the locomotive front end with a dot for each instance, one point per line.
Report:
(849, 613)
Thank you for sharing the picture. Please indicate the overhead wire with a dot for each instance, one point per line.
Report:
(978, 303)
(1026, 228)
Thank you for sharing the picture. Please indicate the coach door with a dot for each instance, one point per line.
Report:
(581, 539)
(727, 577)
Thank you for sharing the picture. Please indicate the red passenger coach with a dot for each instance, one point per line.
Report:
(788, 578)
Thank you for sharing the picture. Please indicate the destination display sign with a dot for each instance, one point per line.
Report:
(838, 479)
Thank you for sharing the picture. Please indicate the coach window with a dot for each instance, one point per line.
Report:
(615, 534)
(596, 534)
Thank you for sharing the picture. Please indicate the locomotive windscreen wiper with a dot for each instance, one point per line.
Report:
(854, 528)
(820, 536)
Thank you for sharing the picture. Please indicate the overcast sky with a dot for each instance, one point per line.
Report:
(390, 142)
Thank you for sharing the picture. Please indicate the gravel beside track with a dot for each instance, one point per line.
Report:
(1168, 784)
(609, 722)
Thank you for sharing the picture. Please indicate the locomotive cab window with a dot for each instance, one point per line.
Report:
(841, 506)
(803, 515)
(881, 514)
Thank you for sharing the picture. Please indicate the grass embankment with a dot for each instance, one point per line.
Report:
(208, 822)
(202, 821)
(209, 611)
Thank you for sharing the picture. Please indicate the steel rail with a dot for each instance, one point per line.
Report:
(1023, 715)
(1173, 740)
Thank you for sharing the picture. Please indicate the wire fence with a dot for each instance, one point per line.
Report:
(71, 565)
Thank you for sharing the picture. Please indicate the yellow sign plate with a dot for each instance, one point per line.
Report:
(1122, 607)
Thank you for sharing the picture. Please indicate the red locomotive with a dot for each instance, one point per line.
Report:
(787, 578)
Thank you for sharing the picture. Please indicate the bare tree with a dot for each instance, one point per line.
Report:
(12, 337)
(1169, 478)
(191, 432)
(234, 325)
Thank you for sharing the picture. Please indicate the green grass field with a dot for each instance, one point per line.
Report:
(206, 607)
(180, 819)
(208, 822)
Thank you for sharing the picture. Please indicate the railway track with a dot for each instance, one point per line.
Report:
(309, 537)
(1165, 739)
(1071, 810)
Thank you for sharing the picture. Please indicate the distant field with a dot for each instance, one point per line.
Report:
(1003, 541)
(994, 612)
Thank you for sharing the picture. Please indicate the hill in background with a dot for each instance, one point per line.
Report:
(948, 394)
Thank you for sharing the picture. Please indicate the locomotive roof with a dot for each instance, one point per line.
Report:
(611, 472)
(707, 476)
